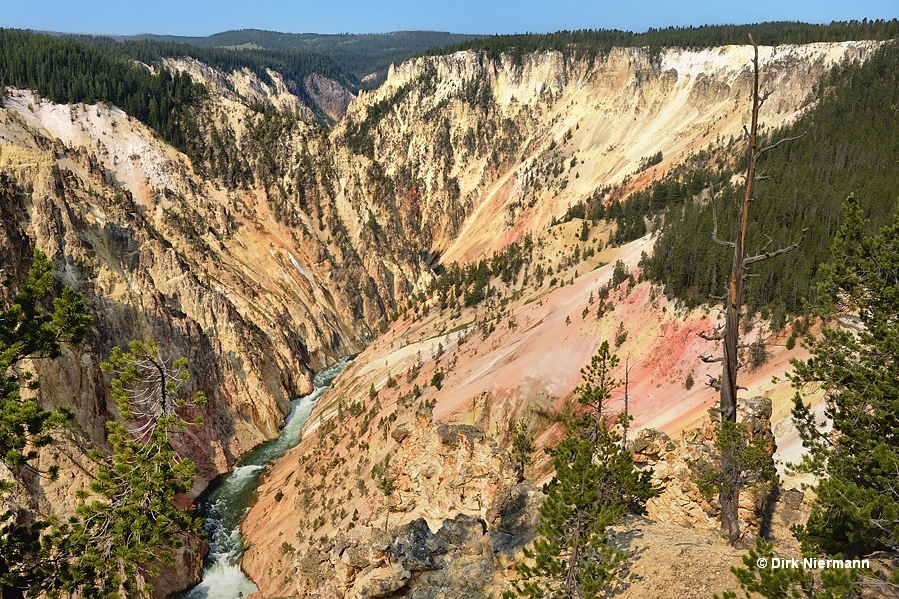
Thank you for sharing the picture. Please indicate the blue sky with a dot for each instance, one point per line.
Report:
(204, 17)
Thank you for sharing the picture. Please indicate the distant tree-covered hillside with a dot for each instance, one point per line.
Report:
(67, 71)
(366, 56)
(294, 66)
(594, 42)
(850, 146)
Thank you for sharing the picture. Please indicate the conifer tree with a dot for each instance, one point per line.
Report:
(857, 506)
(131, 526)
(522, 445)
(28, 329)
(595, 485)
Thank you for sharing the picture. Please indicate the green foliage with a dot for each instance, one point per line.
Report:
(758, 354)
(595, 485)
(29, 329)
(360, 54)
(67, 71)
(857, 507)
(134, 527)
(689, 382)
(649, 161)
(437, 379)
(522, 444)
(761, 578)
(386, 485)
(620, 274)
(145, 387)
(131, 525)
(791, 341)
(856, 458)
(851, 144)
(739, 461)
(597, 387)
(472, 281)
(385, 482)
(620, 335)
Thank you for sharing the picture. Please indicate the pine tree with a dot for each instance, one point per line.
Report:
(29, 330)
(595, 485)
(133, 525)
(522, 445)
(857, 507)
(758, 578)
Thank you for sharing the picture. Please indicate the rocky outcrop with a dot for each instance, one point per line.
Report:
(455, 521)
(463, 558)
(681, 501)
(329, 96)
(244, 86)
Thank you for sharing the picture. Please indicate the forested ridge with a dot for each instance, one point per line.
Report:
(293, 65)
(849, 144)
(73, 69)
(364, 55)
(588, 43)
(67, 71)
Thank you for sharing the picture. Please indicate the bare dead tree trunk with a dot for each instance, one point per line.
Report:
(735, 290)
(626, 420)
(730, 336)
(730, 523)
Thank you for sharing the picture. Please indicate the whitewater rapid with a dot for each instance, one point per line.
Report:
(228, 501)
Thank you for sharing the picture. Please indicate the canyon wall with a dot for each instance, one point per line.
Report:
(468, 156)
(286, 246)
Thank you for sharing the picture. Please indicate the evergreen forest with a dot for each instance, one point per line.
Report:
(849, 144)
(598, 42)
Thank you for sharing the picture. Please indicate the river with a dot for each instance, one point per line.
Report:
(227, 502)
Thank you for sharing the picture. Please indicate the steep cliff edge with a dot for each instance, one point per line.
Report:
(214, 274)
(479, 152)
(558, 131)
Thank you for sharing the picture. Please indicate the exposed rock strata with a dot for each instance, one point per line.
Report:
(211, 274)
(457, 518)
(299, 252)
(681, 502)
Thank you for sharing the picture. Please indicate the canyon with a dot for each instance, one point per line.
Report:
(330, 247)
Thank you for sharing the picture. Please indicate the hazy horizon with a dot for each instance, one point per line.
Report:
(202, 18)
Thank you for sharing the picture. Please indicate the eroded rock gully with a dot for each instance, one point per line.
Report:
(260, 281)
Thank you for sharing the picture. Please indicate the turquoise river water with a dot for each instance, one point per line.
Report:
(227, 502)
